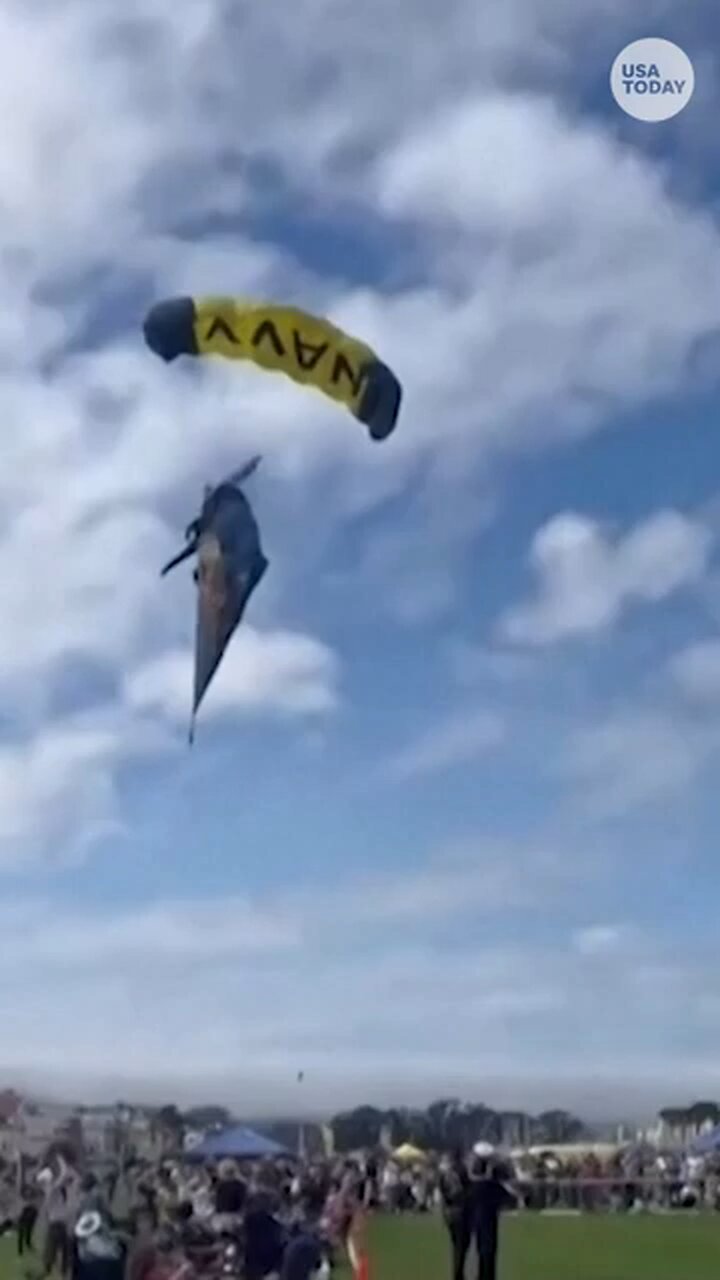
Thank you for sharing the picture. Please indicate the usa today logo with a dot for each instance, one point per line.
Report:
(652, 79)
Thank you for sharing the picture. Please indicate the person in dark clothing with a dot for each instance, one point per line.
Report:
(488, 1198)
(230, 1191)
(456, 1207)
(27, 1219)
(265, 1241)
(303, 1257)
(97, 1253)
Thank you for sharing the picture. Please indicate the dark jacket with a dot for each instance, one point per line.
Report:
(455, 1192)
(230, 1196)
(488, 1198)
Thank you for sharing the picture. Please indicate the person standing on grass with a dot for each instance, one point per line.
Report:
(488, 1198)
(57, 1212)
(27, 1218)
(456, 1210)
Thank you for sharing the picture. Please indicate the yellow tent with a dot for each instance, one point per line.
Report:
(409, 1154)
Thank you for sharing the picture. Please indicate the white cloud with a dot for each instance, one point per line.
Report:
(458, 740)
(272, 671)
(475, 882)
(58, 787)
(101, 996)
(160, 933)
(598, 939)
(471, 664)
(586, 578)
(636, 758)
(697, 671)
(547, 261)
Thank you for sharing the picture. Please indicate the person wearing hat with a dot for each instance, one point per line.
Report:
(488, 1197)
(98, 1253)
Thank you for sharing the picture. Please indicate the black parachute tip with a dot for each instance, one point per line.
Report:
(169, 328)
(380, 404)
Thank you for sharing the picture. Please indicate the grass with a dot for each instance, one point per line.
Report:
(538, 1248)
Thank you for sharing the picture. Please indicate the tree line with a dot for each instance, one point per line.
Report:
(443, 1125)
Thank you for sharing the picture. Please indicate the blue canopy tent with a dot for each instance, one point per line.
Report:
(707, 1143)
(237, 1143)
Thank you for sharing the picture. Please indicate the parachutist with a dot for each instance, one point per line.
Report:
(231, 564)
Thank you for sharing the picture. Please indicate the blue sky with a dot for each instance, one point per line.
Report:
(449, 823)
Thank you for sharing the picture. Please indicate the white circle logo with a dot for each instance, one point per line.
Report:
(652, 79)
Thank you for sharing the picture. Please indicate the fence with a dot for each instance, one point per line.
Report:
(613, 1195)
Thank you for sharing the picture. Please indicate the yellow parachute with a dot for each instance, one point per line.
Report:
(285, 340)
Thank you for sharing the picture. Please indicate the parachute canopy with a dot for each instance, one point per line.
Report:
(280, 339)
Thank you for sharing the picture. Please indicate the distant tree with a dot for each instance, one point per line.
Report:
(169, 1125)
(557, 1127)
(353, 1130)
(448, 1123)
(703, 1112)
(207, 1117)
(674, 1116)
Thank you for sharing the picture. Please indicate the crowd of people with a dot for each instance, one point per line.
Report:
(174, 1222)
(630, 1180)
(276, 1218)
(294, 1220)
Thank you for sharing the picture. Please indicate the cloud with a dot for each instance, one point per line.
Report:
(58, 787)
(544, 259)
(586, 578)
(458, 740)
(697, 671)
(280, 672)
(165, 932)
(176, 973)
(636, 758)
(472, 665)
(478, 880)
(598, 939)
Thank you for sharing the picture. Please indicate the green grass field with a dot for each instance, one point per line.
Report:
(538, 1248)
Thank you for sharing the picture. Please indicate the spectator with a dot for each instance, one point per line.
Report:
(456, 1209)
(488, 1198)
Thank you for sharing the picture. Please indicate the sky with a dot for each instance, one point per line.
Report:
(449, 826)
